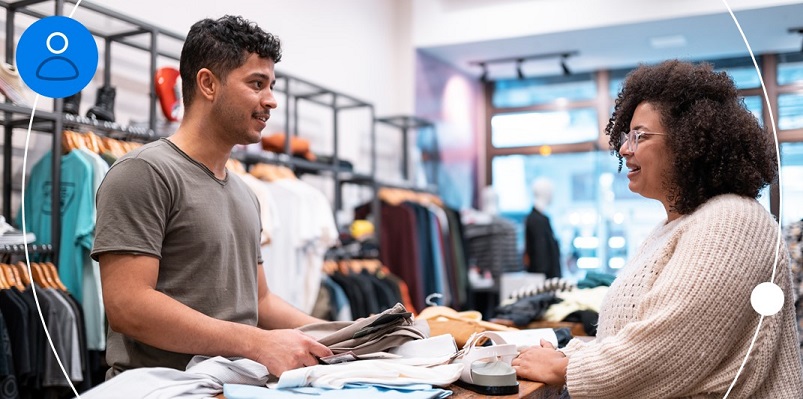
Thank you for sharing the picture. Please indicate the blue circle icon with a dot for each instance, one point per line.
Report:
(57, 56)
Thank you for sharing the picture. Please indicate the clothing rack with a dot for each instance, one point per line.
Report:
(296, 91)
(54, 122)
(13, 252)
(406, 124)
(18, 249)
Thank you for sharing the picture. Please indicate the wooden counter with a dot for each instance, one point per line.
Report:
(527, 390)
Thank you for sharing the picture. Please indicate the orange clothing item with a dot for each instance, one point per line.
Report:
(298, 146)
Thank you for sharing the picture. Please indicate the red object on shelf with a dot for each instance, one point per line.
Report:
(168, 90)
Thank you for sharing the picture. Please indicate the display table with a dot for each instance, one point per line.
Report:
(527, 390)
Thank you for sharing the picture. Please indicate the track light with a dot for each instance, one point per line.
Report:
(519, 73)
(566, 71)
(521, 60)
(484, 74)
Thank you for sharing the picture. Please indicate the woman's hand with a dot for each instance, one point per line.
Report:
(542, 364)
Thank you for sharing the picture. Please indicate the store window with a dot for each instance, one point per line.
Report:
(540, 128)
(597, 220)
(741, 70)
(790, 68)
(511, 93)
(790, 111)
(791, 182)
(755, 104)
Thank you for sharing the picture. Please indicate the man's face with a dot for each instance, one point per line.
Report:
(246, 98)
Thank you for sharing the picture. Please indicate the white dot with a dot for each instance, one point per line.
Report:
(767, 299)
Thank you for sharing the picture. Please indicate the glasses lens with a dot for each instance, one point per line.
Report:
(626, 141)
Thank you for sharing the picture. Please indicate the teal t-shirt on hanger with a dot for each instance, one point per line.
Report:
(77, 214)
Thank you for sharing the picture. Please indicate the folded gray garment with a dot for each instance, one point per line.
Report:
(378, 333)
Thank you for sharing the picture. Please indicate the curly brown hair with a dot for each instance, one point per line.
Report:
(718, 146)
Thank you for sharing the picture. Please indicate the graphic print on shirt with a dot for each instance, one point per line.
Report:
(67, 195)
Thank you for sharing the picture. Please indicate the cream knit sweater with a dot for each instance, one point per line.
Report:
(677, 322)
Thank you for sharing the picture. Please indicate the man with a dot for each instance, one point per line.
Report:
(177, 236)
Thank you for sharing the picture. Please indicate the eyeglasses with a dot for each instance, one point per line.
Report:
(633, 137)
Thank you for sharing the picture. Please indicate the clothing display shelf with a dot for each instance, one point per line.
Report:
(296, 91)
(110, 27)
(408, 124)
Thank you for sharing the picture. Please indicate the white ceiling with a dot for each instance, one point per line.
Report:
(706, 37)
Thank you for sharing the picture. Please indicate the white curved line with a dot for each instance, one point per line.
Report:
(25, 241)
(780, 196)
(24, 231)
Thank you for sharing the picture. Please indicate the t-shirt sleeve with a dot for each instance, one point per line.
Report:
(133, 204)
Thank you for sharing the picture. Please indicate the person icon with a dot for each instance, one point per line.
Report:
(57, 68)
(56, 56)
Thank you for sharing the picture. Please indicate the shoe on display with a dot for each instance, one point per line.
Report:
(168, 90)
(103, 110)
(12, 86)
(11, 236)
(72, 104)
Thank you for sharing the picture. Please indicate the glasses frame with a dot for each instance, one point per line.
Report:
(632, 137)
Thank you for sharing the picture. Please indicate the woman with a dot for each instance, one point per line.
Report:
(677, 322)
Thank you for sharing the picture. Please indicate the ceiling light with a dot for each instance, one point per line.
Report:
(670, 41)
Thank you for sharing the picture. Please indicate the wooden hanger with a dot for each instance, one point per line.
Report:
(371, 265)
(329, 267)
(22, 271)
(4, 283)
(287, 173)
(39, 276)
(11, 276)
(53, 274)
(235, 166)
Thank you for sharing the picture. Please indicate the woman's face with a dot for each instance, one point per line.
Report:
(650, 165)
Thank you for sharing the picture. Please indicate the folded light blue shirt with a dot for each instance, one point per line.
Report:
(349, 391)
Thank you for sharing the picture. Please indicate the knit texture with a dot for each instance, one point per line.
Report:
(677, 322)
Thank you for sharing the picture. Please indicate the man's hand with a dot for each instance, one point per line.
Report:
(542, 364)
(282, 350)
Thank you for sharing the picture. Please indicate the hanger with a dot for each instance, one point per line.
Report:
(235, 166)
(329, 267)
(39, 276)
(371, 265)
(22, 271)
(4, 283)
(11, 276)
(53, 274)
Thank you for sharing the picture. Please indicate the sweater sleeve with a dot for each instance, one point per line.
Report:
(694, 320)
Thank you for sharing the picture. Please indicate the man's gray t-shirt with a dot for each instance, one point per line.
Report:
(158, 201)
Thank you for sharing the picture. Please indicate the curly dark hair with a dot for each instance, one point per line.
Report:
(222, 45)
(718, 146)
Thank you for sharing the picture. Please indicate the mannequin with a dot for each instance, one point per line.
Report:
(541, 252)
(489, 201)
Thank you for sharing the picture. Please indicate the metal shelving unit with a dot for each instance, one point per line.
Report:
(54, 122)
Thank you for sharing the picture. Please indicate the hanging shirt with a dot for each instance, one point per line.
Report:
(77, 214)
(92, 295)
